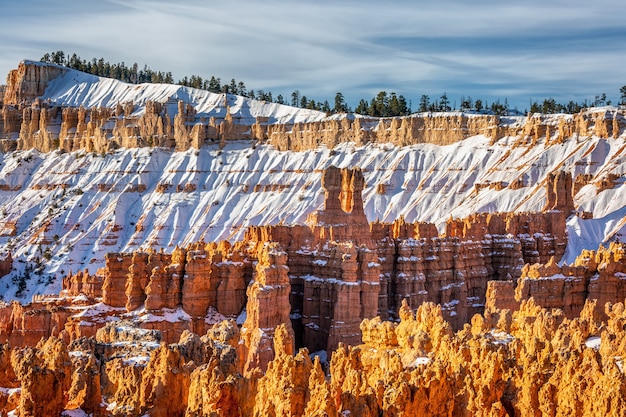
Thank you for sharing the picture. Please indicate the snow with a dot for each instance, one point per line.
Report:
(421, 360)
(241, 318)
(165, 314)
(321, 354)
(77, 412)
(213, 316)
(593, 342)
(139, 360)
(10, 391)
(75, 88)
(500, 337)
(97, 310)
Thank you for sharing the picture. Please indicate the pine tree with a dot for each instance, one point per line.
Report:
(424, 103)
(295, 98)
(241, 87)
(233, 87)
(362, 107)
(340, 104)
(444, 103)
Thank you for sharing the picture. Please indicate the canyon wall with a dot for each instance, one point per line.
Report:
(46, 126)
(595, 275)
(327, 276)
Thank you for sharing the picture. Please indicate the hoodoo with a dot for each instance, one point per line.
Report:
(171, 251)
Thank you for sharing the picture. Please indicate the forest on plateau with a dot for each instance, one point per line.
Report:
(382, 105)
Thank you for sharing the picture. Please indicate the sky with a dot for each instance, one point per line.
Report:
(522, 51)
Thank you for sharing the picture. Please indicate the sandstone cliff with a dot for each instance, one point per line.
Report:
(169, 123)
(595, 275)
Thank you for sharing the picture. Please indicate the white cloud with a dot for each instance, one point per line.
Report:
(324, 47)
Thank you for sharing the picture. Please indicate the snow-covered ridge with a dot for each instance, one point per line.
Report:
(62, 212)
(75, 88)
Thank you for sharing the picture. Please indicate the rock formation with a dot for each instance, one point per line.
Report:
(481, 319)
(46, 128)
(29, 81)
(6, 263)
(334, 272)
(530, 361)
(267, 307)
(595, 275)
(559, 192)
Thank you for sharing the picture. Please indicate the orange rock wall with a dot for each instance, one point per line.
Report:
(98, 130)
(596, 275)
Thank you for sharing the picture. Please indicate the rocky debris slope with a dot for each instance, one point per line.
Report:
(530, 361)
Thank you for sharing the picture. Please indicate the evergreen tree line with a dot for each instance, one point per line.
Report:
(382, 105)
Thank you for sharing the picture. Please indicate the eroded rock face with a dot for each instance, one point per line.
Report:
(267, 307)
(596, 275)
(6, 263)
(559, 192)
(99, 130)
(29, 81)
(530, 361)
(340, 271)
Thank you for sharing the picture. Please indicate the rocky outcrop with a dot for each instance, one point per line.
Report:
(45, 378)
(114, 286)
(595, 275)
(529, 361)
(46, 127)
(29, 81)
(215, 275)
(559, 192)
(267, 307)
(339, 271)
(6, 263)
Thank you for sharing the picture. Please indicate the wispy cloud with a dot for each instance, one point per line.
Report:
(488, 49)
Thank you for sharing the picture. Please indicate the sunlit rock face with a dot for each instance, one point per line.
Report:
(504, 362)
(179, 252)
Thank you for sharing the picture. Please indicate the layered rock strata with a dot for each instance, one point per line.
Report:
(595, 275)
(340, 271)
(46, 127)
(267, 308)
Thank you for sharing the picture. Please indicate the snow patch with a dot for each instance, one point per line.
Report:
(593, 342)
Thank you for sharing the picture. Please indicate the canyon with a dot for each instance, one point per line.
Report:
(170, 251)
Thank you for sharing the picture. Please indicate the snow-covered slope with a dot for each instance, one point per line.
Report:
(66, 210)
(76, 88)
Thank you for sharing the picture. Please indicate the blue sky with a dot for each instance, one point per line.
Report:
(568, 50)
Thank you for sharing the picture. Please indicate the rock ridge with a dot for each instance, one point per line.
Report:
(175, 124)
